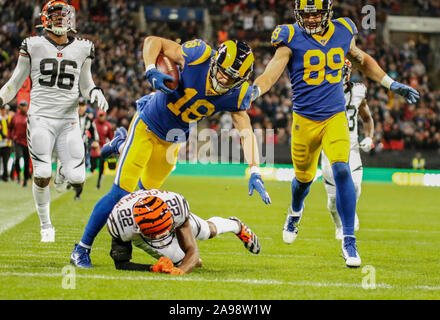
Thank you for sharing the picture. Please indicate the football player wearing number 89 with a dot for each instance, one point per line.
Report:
(313, 49)
(60, 68)
(210, 81)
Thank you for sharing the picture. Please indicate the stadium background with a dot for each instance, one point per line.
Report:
(118, 28)
(399, 232)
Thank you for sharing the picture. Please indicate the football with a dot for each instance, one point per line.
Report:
(169, 67)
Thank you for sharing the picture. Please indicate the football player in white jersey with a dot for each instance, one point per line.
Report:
(161, 224)
(356, 105)
(60, 69)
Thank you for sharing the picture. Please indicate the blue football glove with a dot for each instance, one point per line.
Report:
(411, 94)
(255, 182)
(157, 80)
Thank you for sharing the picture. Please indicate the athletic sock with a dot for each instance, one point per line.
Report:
(42, 204)
(100, 214)
(225, 225)
(345, 196)
(299, 192)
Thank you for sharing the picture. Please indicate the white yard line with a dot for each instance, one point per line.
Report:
(241, 281)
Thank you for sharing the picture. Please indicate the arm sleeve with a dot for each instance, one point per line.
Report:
(21, 72)
(86, 83)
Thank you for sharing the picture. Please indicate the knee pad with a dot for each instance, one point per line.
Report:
(42, 169)
(77, 175)
(341, 171)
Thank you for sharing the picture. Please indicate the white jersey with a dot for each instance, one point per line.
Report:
(121, 223)
(353, 99)
(55, 73)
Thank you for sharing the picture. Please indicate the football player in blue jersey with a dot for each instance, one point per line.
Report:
(210, 81)
(313, 49)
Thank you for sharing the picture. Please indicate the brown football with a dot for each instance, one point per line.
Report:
(169, 67)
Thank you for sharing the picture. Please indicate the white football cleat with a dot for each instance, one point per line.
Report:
(48, 234)
(60, 182)
(350, 253)
(290, 229)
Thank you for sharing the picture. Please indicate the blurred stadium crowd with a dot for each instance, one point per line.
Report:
(119, 69)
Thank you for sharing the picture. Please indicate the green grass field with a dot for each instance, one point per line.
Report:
(399, 241)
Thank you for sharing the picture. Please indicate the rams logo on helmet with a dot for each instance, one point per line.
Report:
(308, 7)
(235, 60)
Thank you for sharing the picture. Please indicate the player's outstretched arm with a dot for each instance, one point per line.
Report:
(250, 149)
(21, 72)
(273, 71)
(368, 124)
(153, 46)
(369, 67)
(188, 244)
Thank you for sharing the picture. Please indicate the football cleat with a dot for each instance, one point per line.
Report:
(80, 257)
(60, 182)
(112, 147)
(248, 237)
(48, 234)
(350, 253)
(290, 229)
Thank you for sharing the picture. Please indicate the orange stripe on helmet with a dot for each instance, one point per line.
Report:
(152, 216)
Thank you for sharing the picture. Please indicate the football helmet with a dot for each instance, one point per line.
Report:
(50, 17)
(323, 7)
(153, 217)
(234, 59)
(346, 71)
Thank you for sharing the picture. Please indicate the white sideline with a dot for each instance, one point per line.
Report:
(242, 281)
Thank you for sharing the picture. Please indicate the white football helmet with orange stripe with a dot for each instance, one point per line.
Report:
(58, 17)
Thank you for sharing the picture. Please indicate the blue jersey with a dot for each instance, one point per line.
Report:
(170, 116)
(315, 68)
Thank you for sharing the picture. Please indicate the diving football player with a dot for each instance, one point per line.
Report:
(210, 81)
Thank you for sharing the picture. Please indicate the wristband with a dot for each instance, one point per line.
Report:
(150, 66)
(255, 169)
(96, 88)
(386, 81)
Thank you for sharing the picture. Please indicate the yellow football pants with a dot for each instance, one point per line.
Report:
(310, 136)
(145, 156)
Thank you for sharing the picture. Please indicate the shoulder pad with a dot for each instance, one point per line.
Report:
(283, 34)
(196, 52)
(349, 24)
(244, 98)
